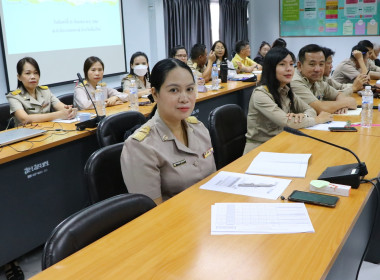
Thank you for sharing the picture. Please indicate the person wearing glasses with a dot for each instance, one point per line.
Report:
(179, 52)
(241, 60)
(263, 50)
(221, 53)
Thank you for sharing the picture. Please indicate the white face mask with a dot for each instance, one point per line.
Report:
(140, 70)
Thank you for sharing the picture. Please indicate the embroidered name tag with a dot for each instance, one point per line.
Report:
(178, 163)
(208, 152)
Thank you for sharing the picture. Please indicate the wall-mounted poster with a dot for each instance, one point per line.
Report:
(329, 18)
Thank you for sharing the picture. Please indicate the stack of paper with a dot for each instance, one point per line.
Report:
(279, 164)
(259, 218)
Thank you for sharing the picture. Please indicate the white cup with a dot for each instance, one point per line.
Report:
(84, 117)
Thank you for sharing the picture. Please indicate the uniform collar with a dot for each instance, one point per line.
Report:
(38, 101)
(166, 134)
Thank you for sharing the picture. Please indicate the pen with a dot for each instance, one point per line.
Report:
(256, 185)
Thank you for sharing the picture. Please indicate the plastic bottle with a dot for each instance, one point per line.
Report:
(100, 101)
(215, 77)
(367, 106)
(133, 96)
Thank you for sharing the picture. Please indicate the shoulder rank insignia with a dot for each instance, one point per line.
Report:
(83, 84)
(43, 87)
(103, 84)
(192, 120)
(266, 88)
(16, 92)
(195, 65)
(141, 133)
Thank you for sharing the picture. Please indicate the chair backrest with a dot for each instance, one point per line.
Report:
(92, 223)
(103, 173)
(67, 99)
(228, 126)
(5, 116)
(111, 129)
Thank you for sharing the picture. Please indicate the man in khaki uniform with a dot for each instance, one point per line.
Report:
(198, 59)
(307, 83)
(172, 167)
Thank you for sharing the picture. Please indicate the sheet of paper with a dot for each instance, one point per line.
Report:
(355, 112)
(259, 218)
(249, 185)
(325, 126)
(279, 164)
(76, 119)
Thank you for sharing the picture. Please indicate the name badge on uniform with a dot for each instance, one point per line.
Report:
(31, 109)
(178, 163)
(208, 152)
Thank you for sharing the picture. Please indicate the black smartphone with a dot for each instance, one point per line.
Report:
(144, 103)
(314, 198)
(343, 129)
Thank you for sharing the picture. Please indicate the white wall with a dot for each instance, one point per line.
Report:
(264, 25)
(143, 31)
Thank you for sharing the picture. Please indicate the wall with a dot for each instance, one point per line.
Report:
(264, 26)
(143, 31)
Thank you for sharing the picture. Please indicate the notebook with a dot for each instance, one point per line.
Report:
(11, 136)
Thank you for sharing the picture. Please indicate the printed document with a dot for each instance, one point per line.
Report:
(259, 218)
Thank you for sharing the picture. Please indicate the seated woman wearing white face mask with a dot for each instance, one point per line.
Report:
(139, 72)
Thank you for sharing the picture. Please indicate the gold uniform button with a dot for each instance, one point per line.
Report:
(165, 138)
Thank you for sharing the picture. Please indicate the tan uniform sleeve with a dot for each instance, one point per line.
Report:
(140, 168)
(81, 99)
(301, 90)
(372, 66)
(14, 103)
(266, 106)
(113, 92)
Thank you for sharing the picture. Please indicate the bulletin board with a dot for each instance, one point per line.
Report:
(329, 18)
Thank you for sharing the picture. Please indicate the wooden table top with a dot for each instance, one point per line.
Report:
(173, 240)
(55, 138)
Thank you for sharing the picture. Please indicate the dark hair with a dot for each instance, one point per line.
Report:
(160, 72)
(366, 43)
(311, 48)
(173, 51)
(328, 52)
(225, 49)
(20, 68)
(240, 45)
(360, 48)
(137, 54)
(197, 50)
(89, 62)
(279, 42)
(268, 76)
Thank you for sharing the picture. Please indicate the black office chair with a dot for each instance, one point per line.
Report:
(228, 126)
(111, 129)
(92, 223)
(103, 173)
(5, 117)
(67, 99)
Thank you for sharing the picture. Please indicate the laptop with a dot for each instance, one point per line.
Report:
(11, 136)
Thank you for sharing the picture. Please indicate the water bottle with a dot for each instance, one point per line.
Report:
(100, 101)
(224, 70)
(215, 77)
(196, 83)
(133, 96)
(367, 105)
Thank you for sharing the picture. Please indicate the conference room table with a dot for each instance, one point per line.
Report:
(174, 241)
(42, 179)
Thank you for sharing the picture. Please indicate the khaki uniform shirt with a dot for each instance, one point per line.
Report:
(20, 99)
(126, 82)
(372, 66)
(195, 66)
(155, 163)
(309, 92)
(81, 100)
(265, 119)
(346, 89)
(246, 62)
(346, 72)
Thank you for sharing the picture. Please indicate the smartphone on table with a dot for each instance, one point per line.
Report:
(314, 198)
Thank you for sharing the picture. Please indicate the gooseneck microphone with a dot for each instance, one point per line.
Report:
(348, 174)
(92, 122)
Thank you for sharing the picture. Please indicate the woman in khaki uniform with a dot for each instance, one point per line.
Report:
(31, 102)
(93, 69)
(139, 66)
(273, 105)
(172, 151)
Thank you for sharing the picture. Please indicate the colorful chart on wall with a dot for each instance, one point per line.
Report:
(329, 18)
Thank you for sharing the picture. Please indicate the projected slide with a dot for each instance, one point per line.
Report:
(49, 25)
